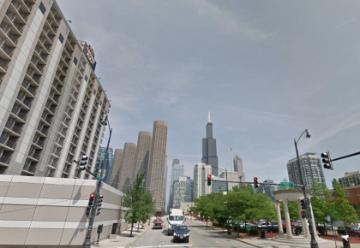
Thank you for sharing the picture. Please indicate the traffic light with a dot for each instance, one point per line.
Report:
(303, 214)
(99, 203)
(209, 178)
(83, 162)
(327, 160)
(303, 205)
(90, 204)
(256, 184)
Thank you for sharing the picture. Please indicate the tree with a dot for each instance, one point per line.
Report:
(139, 202)
(332, 203)
(242, 204)
(342, 210)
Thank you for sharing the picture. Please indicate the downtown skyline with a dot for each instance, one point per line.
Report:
(265, 80)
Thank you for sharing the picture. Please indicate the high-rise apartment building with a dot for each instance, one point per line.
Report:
(142, 153)
(156, 177)
(201, 171)
(182, 190)
(311, 170)
(106, 160)
(115, 170)
(51, 101)
(127, 167)
(209, 153)
(177, 170)
(350, 179)
(239, 168)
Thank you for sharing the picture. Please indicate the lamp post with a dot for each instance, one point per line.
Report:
(99, 178)
(313, 242)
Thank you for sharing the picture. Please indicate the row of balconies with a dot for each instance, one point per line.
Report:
(14, 125)
(39, 140)
(35, 152)
(5, 157)
(30, 87)
(21, 8)
(19, 111)
(43, 128)
(29, 167)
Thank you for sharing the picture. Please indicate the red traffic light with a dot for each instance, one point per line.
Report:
(209, 178)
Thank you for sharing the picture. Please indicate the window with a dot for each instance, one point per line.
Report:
(42, 8)
(61, 38)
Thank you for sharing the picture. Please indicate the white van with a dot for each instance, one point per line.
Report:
(176, 217)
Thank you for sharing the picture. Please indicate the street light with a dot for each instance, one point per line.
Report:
(313, 242)
(99, 179)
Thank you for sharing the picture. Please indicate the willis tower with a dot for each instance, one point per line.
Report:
(209, 154)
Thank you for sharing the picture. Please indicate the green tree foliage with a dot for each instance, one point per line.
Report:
(241, 204)
(332, 203)
(139, 202)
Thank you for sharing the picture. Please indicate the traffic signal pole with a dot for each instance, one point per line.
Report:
(99, 179)
(313, 242)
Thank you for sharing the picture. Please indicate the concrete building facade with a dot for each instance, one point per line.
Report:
(311, 170)
(156, 177)
(51, 212)
(142, 154)
(209, 151)
(201, 171)
(350, 179)
(115, 170)
(51, 102)
(127, 167)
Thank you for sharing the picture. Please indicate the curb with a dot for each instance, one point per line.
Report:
(248, 243)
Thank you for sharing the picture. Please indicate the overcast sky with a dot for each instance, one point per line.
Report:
(265, 69)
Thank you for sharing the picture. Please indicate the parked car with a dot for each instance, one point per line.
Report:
(158, 223)
(181, 233)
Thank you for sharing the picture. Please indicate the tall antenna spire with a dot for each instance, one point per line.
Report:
(209, 117)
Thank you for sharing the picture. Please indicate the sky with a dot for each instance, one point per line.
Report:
(266, 70)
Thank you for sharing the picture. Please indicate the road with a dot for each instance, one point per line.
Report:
(200, 236)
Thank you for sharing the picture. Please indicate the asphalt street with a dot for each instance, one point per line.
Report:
(200, 236)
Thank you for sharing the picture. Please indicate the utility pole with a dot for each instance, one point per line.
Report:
(313, 242)
(99, 178)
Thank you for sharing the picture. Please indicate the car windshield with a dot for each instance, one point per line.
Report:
(181, 229)
(174, 217)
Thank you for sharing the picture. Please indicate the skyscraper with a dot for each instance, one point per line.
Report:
(311, 170)
(239, 168)
(209, 153)
(115, 171)
(177, 170)
(156, 178)
(201, 171)
(51, 102)
(182, 190)
(127, 167)
(142, 153)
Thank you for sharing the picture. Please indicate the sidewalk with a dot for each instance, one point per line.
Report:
(123, 240)
(273, 243)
